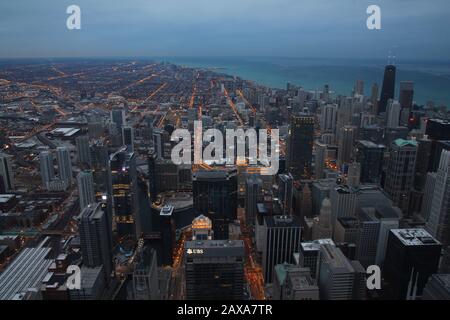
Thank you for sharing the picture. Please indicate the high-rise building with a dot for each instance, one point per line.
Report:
(347, 135)
(388, 88)
(166, 227)
(118, 118)
(406, 94)
(253, 195)
(215, 196)
(370, 156)
(86, 192)
(400, 172)
(337, 275)
(374, 225)
(343, 202)
(359, 87)
(354, 174)
(439, 220)
(47, 168)
(128, 137)
(319, 159)
(438, 129)
(328, 118)
(95, 237)
(428, 194)
(214, 270)
(291, 282)
(202, 228)
(393, 114)
(145, 275)
(437, 288)
(281, 240)
(309, 255)
(123, 193)
(6, 173)
(83, 150)
(412, 256)
(64, 165)
(322, 226)
(285, 193)
(300, 145)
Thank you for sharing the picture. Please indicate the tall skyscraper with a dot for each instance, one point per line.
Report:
(412, 256)
(281, 240)
(95, 237)
(354, 174)
(347, 135)
(123, 193)
(215, 196)
(388, 88)
(319, 159)
(128, 137)
(253, 195)
(370, 156)
(86, 192)
(400, 172)
(359, 87)
(406, 94)
(439, 221)
(428, 194)
(118, 118)
(6, 172)
(328, 118)
(285, 193)
(300, 145)
(309, 255)
(64, 165)
(83, 150)
(47, 168)
(214, 270)
(393, 114)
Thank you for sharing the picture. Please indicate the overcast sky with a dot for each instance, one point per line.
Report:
(292, 28)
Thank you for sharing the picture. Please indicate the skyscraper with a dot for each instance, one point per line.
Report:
(370, 156)
(388, 88)
(253, 194)
(406, 94)
(86, 192)
(343, 202)
(128, 137)
(412, 256)
(336, 276)
(214, 270)
(322, 227)
(439, 220)
(215, 196)
(47, 168)
(281, 240)
(145, 275)
(393, 114)
(83, 150)
(328, 118)
(285, 192)
(400, 172)
(64, 165)
(347, 135)
(123, 193)
(300, 145)
(6, 172)
(95, 237)
(118, 118)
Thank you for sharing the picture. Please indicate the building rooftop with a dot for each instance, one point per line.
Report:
(315, 245)
(415, 237)
(404, 143)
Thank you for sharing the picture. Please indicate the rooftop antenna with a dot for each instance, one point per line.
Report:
(389, 57)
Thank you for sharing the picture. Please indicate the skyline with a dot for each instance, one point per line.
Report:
(248, 28)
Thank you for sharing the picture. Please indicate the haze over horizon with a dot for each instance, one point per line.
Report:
(411, 29)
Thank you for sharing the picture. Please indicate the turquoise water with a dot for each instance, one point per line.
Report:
(431, 79)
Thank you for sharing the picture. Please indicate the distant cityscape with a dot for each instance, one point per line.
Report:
(92, 206)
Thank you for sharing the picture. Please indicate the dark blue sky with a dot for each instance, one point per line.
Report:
(414, 29)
